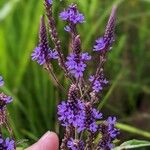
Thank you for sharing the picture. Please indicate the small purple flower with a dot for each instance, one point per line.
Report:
(92, 115)
(87, 119)
(91, 78)
(67, 28)
(109, 133)
(111, 121)
(10, 144)
(53, 54)
(76, 66)
(1, 81)
(50, 2)
(7, 144)
(75, 144)
(78, 70)
(96, 114)
(100, 44)
(4, 99)
(97, 86)
(72, 14)
(85, 56)
(71, 113)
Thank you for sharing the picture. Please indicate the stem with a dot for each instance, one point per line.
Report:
(76, 134)
(50, 72)
(98, 72)
(55, 38)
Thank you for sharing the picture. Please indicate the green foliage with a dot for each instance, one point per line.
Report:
(33, 111)
(132, 144)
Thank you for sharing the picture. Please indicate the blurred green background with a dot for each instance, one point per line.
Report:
(33, 111)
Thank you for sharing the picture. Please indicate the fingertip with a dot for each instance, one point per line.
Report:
(49, 141)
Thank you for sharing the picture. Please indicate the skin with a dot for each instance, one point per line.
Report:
(49, 141)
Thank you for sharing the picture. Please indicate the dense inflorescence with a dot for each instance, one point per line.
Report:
(5, 143)
(76, 64)
(82, 121)
(43, 53)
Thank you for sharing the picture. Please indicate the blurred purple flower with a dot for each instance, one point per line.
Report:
(7, 144)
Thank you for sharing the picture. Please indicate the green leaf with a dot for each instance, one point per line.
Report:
(132, 144)
(133, 130)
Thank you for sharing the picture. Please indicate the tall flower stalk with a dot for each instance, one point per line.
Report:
(78, 114)
(6, 143)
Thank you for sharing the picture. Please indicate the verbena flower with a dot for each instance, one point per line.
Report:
(105, 42)
(7, 144)
(4, 99)
(91, 117)
(75, 65)
(74, 144)
(71, 113)
(43, 53)
(72, 15)
(1, 81)
(98, 84)
(78, 114)
(109, 133)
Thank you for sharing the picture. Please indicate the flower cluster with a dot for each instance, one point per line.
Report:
(109, 133)
(6, 144)
(72, 15)
(76, 65)
(75, 144)
(98, 84)
(43, 53)
(78, 114)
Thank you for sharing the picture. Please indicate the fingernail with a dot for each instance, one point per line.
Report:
(47, 134)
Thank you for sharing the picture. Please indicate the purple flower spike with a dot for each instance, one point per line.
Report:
(104, 43)
(72, 14)
(78, 115)
(1, 81)
(43, 54)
